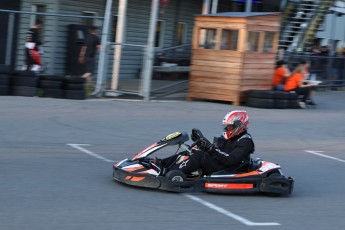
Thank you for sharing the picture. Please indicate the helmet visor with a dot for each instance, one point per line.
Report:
(228, 127)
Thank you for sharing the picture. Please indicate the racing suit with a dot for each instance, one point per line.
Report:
(224, 154)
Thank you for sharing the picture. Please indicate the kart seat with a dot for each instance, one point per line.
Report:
(246, 165)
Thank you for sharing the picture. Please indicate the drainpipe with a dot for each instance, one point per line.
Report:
(103, 51)
(148, 56)
(249, 5)
(118, 43)
(214, 6)
(206, 7)
(9, 45)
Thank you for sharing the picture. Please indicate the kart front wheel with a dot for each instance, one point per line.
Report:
(175, 175)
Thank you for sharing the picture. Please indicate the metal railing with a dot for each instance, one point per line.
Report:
(328, 69)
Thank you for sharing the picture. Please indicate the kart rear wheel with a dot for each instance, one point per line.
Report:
(175, 175)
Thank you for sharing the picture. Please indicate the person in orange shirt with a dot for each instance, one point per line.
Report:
(296, 83)
(280, 74)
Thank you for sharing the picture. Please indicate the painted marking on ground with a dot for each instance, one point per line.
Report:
(78, 146)
(318, 153)
(194, 198)
(229, 214)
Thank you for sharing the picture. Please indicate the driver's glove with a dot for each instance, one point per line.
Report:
(206, 144)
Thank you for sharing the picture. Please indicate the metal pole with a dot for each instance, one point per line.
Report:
(206, 7)
(334, 32)
(104, 47)
(118, 43)
(249, 5)
(10, 31)
(148, 58)
(214, 6)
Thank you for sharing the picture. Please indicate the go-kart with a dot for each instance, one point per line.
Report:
(252, 176)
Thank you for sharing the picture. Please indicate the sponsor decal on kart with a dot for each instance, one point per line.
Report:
(135, 178)
(132, 168)
(148, 150)
(228, 186)
(266, 166)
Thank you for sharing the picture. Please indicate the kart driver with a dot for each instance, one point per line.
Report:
(231, 150)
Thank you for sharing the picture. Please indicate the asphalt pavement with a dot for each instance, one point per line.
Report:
(56, 161)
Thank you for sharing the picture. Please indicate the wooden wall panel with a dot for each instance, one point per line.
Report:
(211, 75)
(217, 53)
(220, 19)
(212, 87)
(230, 97)
(236, 65)
(224, 25)
(215, 69)
(263, 28)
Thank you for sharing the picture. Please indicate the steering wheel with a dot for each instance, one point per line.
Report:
(196, 135)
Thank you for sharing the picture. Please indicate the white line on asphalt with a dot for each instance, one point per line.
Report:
(229, 214)
(194, 198)
(77, 146)
(323, 155)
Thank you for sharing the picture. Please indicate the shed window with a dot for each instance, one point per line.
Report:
(229, 40)
(207, 38)
(268, 43)
(160, 27)
(253, 41)
(181, 33)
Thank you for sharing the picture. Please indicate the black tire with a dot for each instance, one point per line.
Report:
(25, 73)
(51, 78)
(293, 104)
(74, 86)
(281, 95)
(25, 91)
(260, 103)
(4, 90)
(281, 104)
(50, 84)
(264, 94)
(24, 81)
(74, 80)
(176, 175)
(75, 94)
(5, 69)
(53, 93)
(293, 96)
(4, 79)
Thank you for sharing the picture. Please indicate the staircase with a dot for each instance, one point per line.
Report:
(301, 19)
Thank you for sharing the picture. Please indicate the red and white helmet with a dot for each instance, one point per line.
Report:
(234, 123)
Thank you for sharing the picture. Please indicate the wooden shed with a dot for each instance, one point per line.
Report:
(233, 52)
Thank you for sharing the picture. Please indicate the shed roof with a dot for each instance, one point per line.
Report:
(239, 14)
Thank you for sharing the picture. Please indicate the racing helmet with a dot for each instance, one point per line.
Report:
(234, 123)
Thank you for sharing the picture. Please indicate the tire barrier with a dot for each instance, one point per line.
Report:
(4, 80)
(51, 86)
(24, 83)
(270, 99)
(29, 84)
(63, 87)
(74, 88)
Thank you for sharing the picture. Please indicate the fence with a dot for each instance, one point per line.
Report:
(328, 69)
(57, 54)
